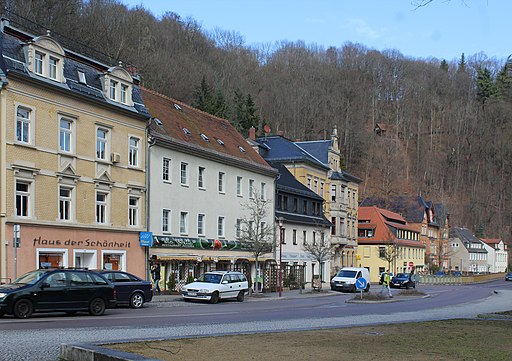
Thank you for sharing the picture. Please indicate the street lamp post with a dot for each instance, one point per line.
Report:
(280, 256)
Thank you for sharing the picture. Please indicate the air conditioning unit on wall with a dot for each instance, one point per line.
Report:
(115, 157)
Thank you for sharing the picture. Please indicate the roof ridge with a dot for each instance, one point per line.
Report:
(180, 103)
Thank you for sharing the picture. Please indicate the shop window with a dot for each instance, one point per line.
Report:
(114, 260)
(51, 258)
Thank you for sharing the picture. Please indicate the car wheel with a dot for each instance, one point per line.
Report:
(2, 314)
(97, 307)
(215, 297)
(137, 300)
(23, 308)
(354, 289)
(367, 289)
(407, 286)
(240, 297)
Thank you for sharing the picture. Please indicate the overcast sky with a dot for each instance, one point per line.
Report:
(444, 29)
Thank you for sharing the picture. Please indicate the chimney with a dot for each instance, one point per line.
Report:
(252, 133)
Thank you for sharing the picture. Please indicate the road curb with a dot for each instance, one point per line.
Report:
(89, 352)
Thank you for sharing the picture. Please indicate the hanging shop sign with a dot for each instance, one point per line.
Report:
(203, 243)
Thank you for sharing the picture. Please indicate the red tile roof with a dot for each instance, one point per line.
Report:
(491, 240)
(380, 218)
(207, 133)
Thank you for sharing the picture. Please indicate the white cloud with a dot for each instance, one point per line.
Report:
(362, 28)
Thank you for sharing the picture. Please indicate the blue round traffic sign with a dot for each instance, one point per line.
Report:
(361, 283)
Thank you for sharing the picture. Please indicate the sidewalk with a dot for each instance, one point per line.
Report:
(286, 294)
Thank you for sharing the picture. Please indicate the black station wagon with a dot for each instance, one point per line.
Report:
(57, 290)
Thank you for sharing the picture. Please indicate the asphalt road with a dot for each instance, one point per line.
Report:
(39, 338)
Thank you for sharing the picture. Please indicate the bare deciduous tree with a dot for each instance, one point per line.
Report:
(319, 250)
(255, 232)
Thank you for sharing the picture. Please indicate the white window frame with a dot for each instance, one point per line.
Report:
(39, 62)
(201, 224)
(184, 174)
(251, 188)
(112, 86)
(124, 93)
(239, 190)
(263, 191)
(28, 122)
(67, 132)
(166, 170)
(166, 220)
(133, 151)
(221, 220)
(25, 212)
(103, 142)
(104, 205)
(201, 177)
(222, 186)
(53, 67)
(184, 223)
(69, 203)
(133, 211)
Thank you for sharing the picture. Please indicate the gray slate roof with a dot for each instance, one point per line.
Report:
(14, 61)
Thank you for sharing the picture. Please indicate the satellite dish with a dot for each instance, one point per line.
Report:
(266, 128)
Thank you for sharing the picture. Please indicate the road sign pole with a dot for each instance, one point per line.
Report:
(16, 244)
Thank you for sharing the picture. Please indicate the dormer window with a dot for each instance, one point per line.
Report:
(118, 85)
(186, 131)
(242, 149)
(46, 58)
(220, 141)
(205, 138)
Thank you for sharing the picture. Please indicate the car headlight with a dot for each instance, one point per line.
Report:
(3, 295)
(203, 290)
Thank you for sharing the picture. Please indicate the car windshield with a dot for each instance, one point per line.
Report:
(346, 273)
(402, 275)
(30, 277)
(210, 278)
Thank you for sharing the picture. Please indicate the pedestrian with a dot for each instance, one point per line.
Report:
(385, 284)
(155, 274)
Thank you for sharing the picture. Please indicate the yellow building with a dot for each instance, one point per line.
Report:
(386, 241)
(72, 159)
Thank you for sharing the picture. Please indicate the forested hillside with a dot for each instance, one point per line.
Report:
(448, 122)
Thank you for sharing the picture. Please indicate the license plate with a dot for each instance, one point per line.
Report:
(192, 294)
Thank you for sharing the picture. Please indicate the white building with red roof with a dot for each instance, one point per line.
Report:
(497, 254)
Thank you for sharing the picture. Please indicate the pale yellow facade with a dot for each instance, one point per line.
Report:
(368, 256)
(45, 168)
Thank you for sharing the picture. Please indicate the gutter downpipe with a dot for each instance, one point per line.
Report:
(148, 145)
(4, 243)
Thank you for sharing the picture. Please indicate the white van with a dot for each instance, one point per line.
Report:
(345, 279)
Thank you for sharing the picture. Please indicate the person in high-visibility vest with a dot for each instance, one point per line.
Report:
(385, 284)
